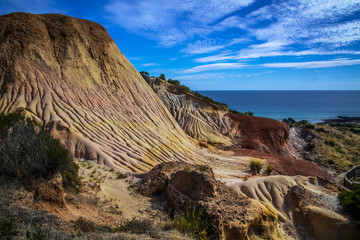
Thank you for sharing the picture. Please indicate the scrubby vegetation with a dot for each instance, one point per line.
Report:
(28, 154)
(339, 146)
(176, 88)
(292, 123)
(334, 145)
(139, 226)
(248, 113)
(256, 166)
(195, 222)
(208, 99)
(350, 200)
(269, 169)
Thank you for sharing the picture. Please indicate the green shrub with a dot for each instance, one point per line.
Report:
(309, 125)
(39, 235)
(162, 76)
(28, 155)
(249, 113)
(174, 82)
(331, 143)
(289, 121)
(350, 200)
(8, 230)
(256, 166)
(83, 225)
(144, 226)
(195, 222)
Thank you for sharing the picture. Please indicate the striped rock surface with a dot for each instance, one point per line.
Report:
(70, 77)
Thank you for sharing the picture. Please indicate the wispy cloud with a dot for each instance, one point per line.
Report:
(210, 45)
(253, 52)
(135, 58)
(313, 64)
(308, 22)
(171, 21)
(150, 64)
(215, 66)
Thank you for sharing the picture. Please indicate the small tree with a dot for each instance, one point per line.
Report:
(173, 82)
(162, 76)
(144, 73)
(249, 113)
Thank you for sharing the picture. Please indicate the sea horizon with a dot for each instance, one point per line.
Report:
(280, 104)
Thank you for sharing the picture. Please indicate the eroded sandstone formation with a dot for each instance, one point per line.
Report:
(213, 123)
(233, 216)
(69, 76)
(307, 207)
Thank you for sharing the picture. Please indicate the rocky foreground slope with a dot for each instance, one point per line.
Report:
(69, 76)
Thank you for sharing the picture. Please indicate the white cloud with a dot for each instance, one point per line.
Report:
(210, 45)
(149, 64)
(271, 49)
(171, 21)
(313, 64)
(135, 58)
(215, 66)
(309, 22)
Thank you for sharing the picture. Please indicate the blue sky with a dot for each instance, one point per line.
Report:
(229, 44)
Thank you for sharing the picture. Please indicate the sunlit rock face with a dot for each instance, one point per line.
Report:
(70, 77)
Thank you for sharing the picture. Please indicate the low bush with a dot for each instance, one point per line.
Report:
(256, 166)
(350, 200)
(174, 82)
(137, 226)
(8, 229)
(178, 89)
(27, 154)
(195, 222)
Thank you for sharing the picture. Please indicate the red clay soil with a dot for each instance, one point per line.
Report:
(258, 133)
(284, 165)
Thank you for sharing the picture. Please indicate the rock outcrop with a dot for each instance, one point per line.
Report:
(233, 216)
(213, 123)
(68, 75)
(307, 207)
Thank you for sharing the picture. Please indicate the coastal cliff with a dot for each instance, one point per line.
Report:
(146, 139)
(68, 75)
(215, 124)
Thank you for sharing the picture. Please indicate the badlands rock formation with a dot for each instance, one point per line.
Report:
(232, 216)
(307, 207)
(245, 135)
(69, 76)
(213, 123)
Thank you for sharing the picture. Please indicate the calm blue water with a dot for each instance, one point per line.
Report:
(313, 106)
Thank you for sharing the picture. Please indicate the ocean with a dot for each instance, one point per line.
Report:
(313, 106)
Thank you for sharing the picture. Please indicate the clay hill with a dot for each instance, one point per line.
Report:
(70, 77)
(215, 124)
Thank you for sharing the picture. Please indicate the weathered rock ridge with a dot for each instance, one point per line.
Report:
(214, 124)
(69, 76)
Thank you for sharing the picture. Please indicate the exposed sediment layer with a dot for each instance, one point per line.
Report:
(69, 76)
(213, 123)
